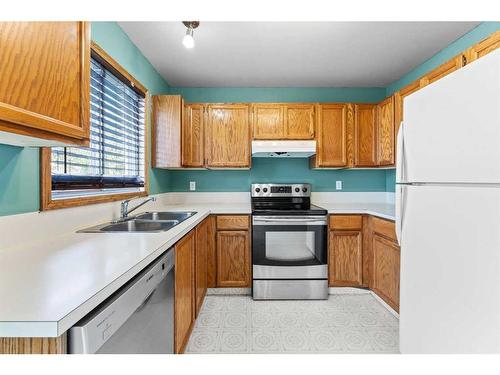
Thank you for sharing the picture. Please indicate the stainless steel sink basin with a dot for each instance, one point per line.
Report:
(148, 222)
(181, 216)
(135, 225)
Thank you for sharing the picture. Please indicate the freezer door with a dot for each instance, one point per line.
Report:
(450, 270)
(452, 127)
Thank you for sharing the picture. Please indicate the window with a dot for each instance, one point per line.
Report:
(114, 162)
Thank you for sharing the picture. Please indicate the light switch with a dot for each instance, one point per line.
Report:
(338, 185)
(192, 185)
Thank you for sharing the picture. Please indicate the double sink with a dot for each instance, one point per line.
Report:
(148, 222)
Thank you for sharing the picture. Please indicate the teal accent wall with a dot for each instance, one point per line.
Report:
(390, 180)
(280, 94)
(480, 32)
(279, 171)
(19, 167)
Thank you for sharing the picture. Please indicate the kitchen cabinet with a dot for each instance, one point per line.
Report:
(443, 70)
(268, 121)
(385, 267)
(201, 265)
(34, 345)
(228, 132)
(193, 136)
(184, 290)
(283, 121)
(299, 121)
(345, 251)
(482, 48)
(166, 138)
(366, 135)
(211, 252)
(45, 85)
(233, 251)
(334, 136)
(385, 132)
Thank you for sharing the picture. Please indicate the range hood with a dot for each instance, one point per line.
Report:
(283, 149)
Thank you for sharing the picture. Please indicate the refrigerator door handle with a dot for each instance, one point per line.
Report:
(400, 155)
(400, 206)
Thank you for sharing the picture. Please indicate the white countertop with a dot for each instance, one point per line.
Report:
(48, 286)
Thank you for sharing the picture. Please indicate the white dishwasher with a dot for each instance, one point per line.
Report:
(137, 319)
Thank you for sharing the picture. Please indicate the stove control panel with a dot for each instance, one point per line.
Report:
(281, 190)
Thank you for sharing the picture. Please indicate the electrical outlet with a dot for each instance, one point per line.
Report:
(338, 185)
(192, 185)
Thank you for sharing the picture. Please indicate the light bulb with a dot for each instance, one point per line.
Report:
(188, 39)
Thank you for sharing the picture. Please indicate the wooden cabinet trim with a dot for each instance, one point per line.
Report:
(34, 345)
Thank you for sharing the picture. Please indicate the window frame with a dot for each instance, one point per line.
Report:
(46, 201)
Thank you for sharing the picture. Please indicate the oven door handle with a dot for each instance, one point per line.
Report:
(289, 221)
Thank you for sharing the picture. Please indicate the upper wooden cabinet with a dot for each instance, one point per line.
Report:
(443, 70)
(385, 132)
(482, 48)
(334, 133)
(44, 85)
(299, 121)
(193, 138)
(268, 121)
(365, 153)
(228, 136)
(283, 121)
(167, 123)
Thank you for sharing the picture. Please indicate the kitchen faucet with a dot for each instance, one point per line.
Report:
(125, 211)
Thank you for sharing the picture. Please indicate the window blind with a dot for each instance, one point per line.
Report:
(115, 156)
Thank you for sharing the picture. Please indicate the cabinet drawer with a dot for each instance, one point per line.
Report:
(384, 227)
(349, 222)
(233, 222)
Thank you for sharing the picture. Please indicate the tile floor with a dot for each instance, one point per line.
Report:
(355, 323)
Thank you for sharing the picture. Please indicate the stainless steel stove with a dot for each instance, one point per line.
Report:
(289, 243)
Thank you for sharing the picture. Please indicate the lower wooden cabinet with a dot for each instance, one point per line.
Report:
(34, 345)
(345, 258)
(233, 259)
(385, 278)
(184, 290)
(202, 231)
(211, 253)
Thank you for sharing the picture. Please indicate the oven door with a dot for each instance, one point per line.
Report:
(289, 247)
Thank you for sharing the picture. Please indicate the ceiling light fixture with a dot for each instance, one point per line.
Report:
(188, 39)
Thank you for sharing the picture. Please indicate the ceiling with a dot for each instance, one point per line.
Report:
(291, 54)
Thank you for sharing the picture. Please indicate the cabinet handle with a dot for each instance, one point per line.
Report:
(464, 60)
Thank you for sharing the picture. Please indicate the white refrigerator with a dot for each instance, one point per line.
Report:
(448, 213)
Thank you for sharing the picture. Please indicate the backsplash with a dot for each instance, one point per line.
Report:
(280, 171)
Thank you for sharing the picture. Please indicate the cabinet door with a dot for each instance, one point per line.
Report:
(385, 270)
(233, 259)
(299, 121)
(268, 121)
(345, 258)
(193, 150)
(166, 139)
(484, 47)
(385, 132)
(228, 136)
(201, 263)
(332, 135)
(184, 290)
(45, 89)
(211, 253)
(443, 70)
(365, 128)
